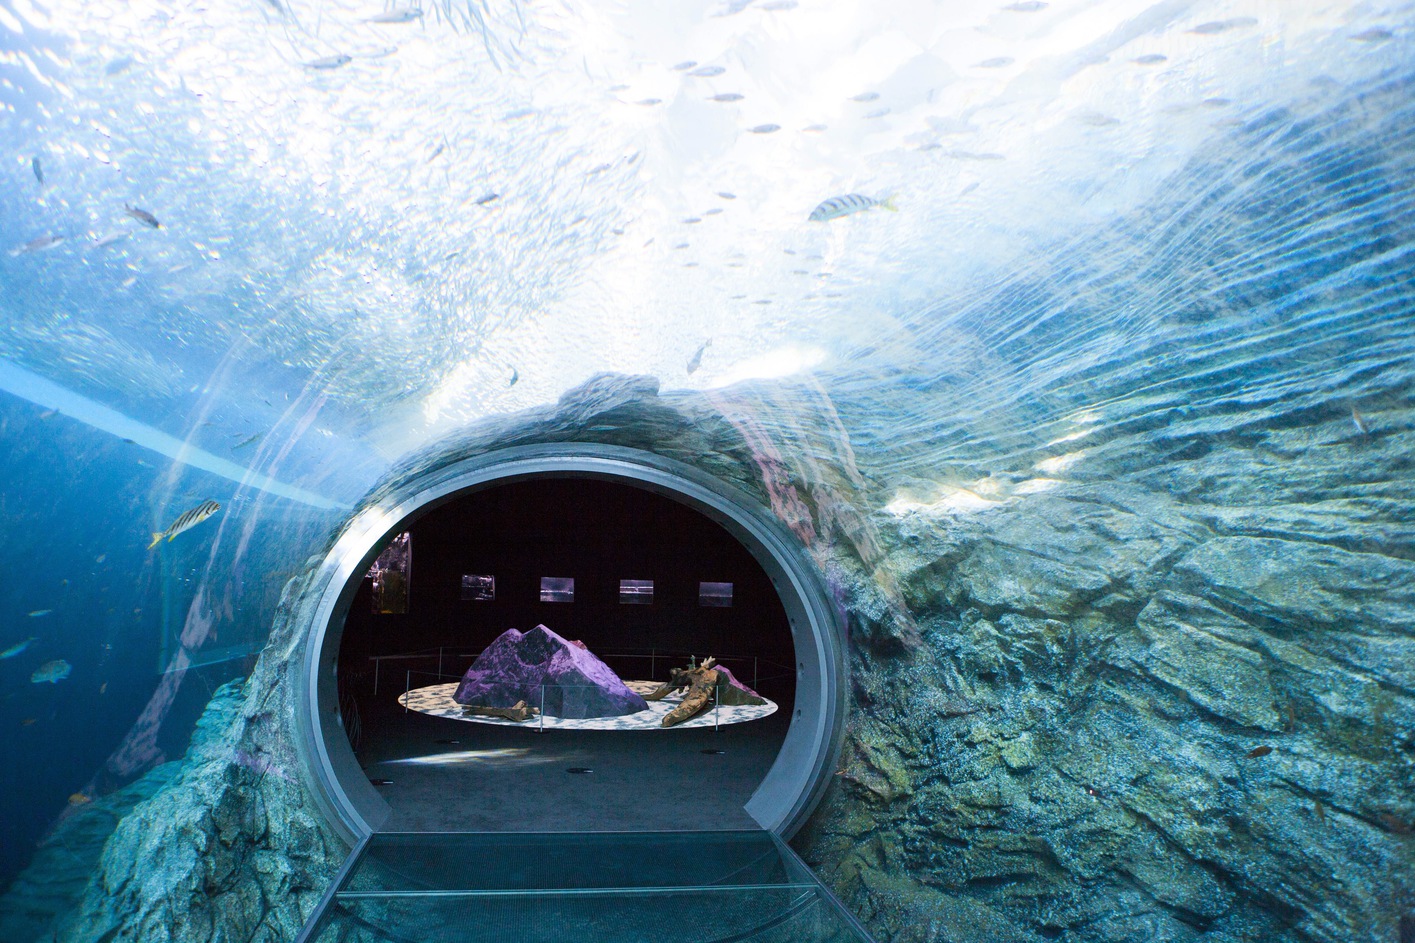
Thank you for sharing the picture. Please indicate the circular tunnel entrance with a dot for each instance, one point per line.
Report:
(626, 559)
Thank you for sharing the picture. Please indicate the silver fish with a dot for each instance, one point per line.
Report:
(17, 648)
(1375, 34)
(141, 215)
(37, 168)
(37, 245)
(404, 15)
(187, 521)
(765, 129)
(707, 71)
(51, 672)
(108, 240)
(727, 97)
(330, 62)
(697, 359)
(838, 206)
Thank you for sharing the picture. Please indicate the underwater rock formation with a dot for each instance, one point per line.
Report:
(225, 844)
(540, 666)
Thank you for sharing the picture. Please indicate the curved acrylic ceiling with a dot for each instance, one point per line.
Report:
(403, 218)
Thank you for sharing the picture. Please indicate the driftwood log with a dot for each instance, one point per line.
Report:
(703, 684)
(518, 712)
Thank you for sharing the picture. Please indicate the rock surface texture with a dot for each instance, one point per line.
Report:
(516, 666)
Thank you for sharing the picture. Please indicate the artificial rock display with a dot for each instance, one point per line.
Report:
(1103, 441)
(539, 667)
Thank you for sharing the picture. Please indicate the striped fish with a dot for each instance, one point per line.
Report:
(838, 206)
(186, 522)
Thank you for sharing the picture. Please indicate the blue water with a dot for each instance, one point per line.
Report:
(474, 214)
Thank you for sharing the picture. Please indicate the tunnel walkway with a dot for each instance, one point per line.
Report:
(625, 887)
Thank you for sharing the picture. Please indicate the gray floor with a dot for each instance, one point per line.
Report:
(517, 780)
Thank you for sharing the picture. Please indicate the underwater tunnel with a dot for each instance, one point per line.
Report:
(401, 402)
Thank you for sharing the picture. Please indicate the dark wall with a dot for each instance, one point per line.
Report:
(597, 532)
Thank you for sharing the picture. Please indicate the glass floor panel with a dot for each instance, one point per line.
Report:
(552, 861)
(657, 887)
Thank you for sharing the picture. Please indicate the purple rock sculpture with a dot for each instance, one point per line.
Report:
(735, 693)
(517, 665)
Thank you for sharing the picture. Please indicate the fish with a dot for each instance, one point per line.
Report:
(142, 216)
(697, 359)
(187, 521)
(515, 377)
(1256, 752)
(1153, 58)
(1220, 26)
(248, 440)
(103, 688)
(17, 648)
(436, 152)
(726, 196)
(838, 206)
(727, 97)
(79, 798)
(998, 62)
(1375, 34)
(29, 721)
(765, 129)
(108, 240)
(649, 101)
(403, 15)
(51, 672)
(325, 63)
(38, 613)
(1360, 421)
(38, 170)
(486, 198)
(690, 220)
(707, 71)
(865, 97)
(1025, 6)
(117, 65)
(814, 127)
(684, 66)
(1319, 809)
(37, 245)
